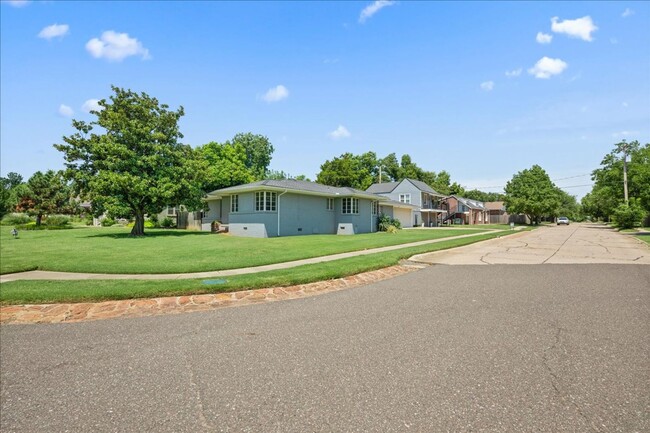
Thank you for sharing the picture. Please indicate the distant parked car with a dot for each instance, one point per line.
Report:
(563, 220)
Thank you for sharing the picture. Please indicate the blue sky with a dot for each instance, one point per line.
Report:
(480, 89)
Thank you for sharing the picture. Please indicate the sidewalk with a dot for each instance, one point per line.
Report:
(78, 312)
(53, 275)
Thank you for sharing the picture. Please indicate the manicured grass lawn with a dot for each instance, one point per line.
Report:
(645, 237)
(32, 292)
(112, 250)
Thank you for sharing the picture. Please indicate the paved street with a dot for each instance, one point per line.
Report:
(539, 348)
(576, 243)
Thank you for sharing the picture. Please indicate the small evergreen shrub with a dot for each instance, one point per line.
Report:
(167, 223)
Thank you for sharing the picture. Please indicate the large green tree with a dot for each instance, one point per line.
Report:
(45, 194)
(258, 150)
(225, 165)
(130, 157)
(531, 192)
(349, 170)
(607, 194)
(8, 192)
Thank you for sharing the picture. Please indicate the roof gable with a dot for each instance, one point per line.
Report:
(384, 188)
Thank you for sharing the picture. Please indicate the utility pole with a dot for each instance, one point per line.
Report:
(625, 150)
(380, 173)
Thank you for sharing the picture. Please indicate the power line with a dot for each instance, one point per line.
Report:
(552, 180)
(572, 177)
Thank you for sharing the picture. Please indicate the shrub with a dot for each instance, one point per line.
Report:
(153, 219)
(14, 219)
(384, 222)
(167, 223)
(628, 216)
(89, 220)
(391, 229)
(57, 220)
(107, 222)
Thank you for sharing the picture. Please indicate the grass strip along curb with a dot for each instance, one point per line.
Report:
(48, 292)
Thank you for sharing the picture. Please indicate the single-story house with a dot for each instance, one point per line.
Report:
(429, 206)
(270, 208)
(466, 211)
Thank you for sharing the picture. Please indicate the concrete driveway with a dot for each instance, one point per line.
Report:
(576, 243)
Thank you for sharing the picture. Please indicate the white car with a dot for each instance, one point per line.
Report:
(563, 220)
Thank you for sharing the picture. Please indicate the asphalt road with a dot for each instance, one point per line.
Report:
(501, 348)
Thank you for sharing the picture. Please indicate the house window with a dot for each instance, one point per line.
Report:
(350, 205)
(234, 203)
(405, 198)
(330, 204)
(265, 201)
(375, 207)
(171, 210)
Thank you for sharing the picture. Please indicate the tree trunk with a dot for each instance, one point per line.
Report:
(138, 227)
(39, 218)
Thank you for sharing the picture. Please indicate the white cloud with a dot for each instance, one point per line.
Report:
(340, 132)
(65, 111)
(276, 93)
(543, 38)
(547, 67)
(373, 8)
(579, 28)
(53, 31)
(487, 86)
(18, 3)
(624, 134)
(514, 72)
(627, 13)
(91, 104)
(116, 47)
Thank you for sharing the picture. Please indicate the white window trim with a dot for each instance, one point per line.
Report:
(353, 208)
(269, 200)
(405, 198)
(234, 203)
(329, 204)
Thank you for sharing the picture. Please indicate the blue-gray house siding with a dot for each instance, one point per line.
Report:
(301, 208)
(429, 204)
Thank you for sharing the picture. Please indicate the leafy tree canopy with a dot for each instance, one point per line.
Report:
(45, 194)
(8, 192)
(224, 165)
(134, 161)
(361, 171)
(607, 194)
(532, 193)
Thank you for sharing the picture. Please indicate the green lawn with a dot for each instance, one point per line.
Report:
(645, 237)
(112, 250)
(32, 292)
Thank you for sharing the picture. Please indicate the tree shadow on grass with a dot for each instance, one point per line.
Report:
(151, 234)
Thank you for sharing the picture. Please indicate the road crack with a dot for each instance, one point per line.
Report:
(198, 395)
(556, 380)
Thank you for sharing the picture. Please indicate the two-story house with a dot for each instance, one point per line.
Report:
(466, 211)
(430, 206)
